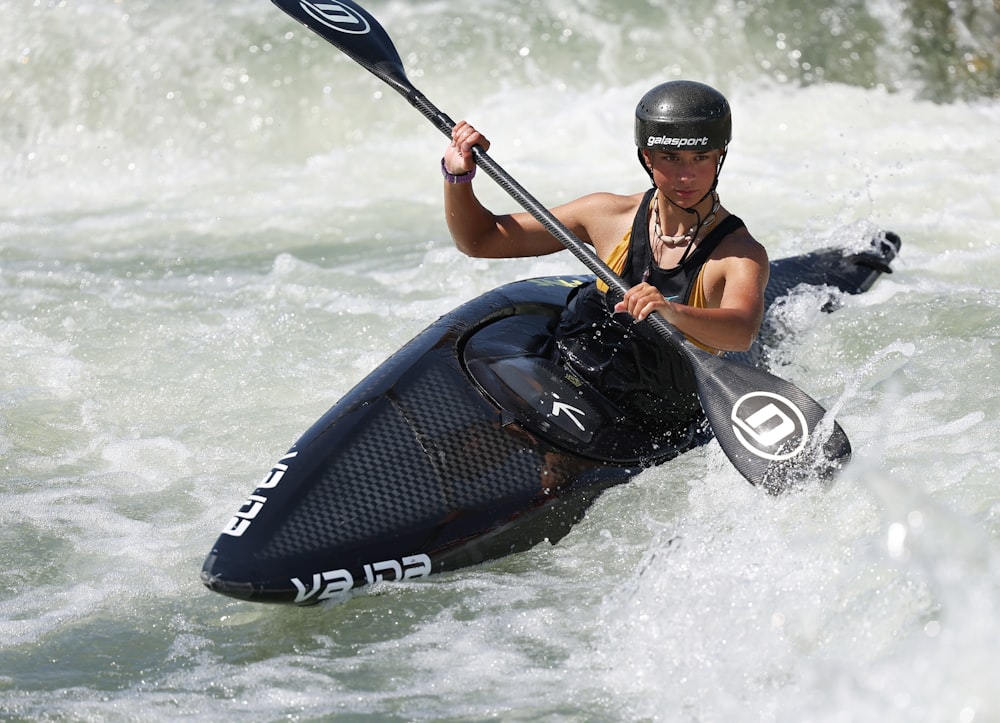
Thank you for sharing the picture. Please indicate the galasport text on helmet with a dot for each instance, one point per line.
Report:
(683, 115)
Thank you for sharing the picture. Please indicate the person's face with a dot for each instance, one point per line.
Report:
(683, 176)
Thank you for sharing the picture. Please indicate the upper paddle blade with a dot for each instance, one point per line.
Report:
(773, 432)
(355, 32)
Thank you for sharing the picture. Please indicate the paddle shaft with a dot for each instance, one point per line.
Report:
(529, 203)
(764, 424)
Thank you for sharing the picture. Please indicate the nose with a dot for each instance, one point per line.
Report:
(687, 168)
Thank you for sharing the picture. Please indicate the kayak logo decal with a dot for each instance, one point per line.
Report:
(337, 16)
(571, 412)
(325, 585)
(769, 425)
(248, 511)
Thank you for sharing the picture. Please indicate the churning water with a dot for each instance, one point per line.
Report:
(212, 225)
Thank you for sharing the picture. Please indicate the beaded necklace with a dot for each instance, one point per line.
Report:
(692, 233)
(684, 239)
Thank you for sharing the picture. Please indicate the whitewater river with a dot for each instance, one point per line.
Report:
(212, 225)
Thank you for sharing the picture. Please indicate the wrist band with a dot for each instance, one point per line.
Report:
(457, 177)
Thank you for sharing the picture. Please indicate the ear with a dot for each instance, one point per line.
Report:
(647, 158)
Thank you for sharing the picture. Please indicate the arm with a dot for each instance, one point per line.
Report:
(476, 230)
(734, 285)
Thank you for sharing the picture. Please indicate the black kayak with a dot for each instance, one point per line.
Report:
(467, 444)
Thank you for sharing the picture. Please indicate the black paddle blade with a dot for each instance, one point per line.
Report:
(774, 433)
(355, 32)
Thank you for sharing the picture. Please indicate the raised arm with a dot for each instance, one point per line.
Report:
(476, 230)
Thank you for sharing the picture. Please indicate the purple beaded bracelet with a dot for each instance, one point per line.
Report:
(457, 178)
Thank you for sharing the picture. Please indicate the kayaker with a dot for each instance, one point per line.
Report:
(679, 249)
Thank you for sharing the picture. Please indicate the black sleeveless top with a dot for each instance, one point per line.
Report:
(628, 362)
(677, 283)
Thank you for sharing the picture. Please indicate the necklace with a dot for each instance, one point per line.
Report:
(685, 238)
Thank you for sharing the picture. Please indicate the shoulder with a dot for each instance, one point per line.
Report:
(602, 218)
(606, 203)
(739, 261)
(740, 244)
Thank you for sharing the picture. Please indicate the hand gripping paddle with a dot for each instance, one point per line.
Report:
(771, 430)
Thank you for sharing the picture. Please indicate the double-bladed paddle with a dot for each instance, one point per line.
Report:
(771, 430)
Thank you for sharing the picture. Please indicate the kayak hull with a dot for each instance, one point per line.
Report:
(452, 451)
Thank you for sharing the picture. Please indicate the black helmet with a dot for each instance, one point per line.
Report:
(683, 115)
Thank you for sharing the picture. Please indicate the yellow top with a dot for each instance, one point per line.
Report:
(616, 260)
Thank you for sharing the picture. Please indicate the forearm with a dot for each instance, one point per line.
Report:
(723, 329)
(727, 328)
(476, 230)
(471, 224)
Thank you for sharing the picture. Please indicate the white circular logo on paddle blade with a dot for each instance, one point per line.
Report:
(337, 16)
(769, 425)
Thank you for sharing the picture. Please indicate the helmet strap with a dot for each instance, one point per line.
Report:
(718, 170)
(644, 164)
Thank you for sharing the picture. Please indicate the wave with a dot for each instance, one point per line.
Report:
(144, 101)
(213, 72)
